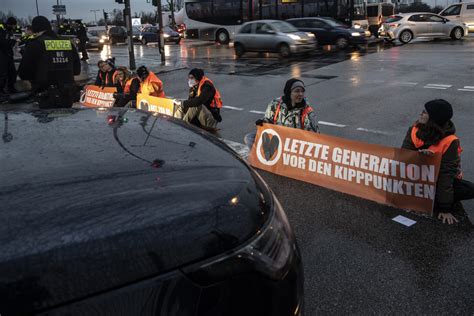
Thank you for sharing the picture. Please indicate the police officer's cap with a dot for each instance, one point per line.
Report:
(40, 24)
(11, 21)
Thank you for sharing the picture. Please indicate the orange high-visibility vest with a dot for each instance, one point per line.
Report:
(126, 89)
(304, 113)
(439, 148)
(217, 101)
(148, 88)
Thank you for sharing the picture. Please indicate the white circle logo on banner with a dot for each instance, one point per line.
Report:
(272, 147)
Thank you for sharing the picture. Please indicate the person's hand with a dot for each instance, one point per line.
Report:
(447, 217)
(177, 103)
(260, 122)
(426, 152)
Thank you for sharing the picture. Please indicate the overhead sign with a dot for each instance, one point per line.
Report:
(397, 177)
(155, 104)
(136, 21)
(59, 9)
(95, 96)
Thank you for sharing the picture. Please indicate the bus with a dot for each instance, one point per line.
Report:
(219, 20)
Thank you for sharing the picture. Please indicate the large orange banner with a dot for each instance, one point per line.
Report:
(397, 177)
(95, 96)
(155, 104)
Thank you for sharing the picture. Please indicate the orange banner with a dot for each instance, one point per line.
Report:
(155, 104)
(397, 177)
(95, 96)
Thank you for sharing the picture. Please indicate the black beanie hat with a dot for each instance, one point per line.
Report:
(39, 24)
(289, 85)
(197, 73)
(11, 21)
(439, 110)
(142, 72)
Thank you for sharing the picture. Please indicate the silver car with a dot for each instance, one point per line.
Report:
(406, 27)
(272, 36)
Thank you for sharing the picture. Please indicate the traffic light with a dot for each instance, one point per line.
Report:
(154, 2)
(119, 1)
(106, 16)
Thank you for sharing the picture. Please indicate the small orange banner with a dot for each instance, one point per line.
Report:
(397, 177)
(95, 96)
(155, 104)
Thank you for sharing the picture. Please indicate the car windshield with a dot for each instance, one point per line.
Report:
(334, 22)
(284, 27)
(394, 18)
(168, 29)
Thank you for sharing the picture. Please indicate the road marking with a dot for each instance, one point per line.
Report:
(331, 124)
(232, 108)
(241, 149)
(439, 85)
(372, 131)
(468, 87)
(257, 112)
(439, 88)
(408, 83)
(470, 90)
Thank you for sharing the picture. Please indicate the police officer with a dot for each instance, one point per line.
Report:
(7, 65)
(50, 63)
(81, 34)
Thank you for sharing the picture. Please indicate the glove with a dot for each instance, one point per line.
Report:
(260, 122)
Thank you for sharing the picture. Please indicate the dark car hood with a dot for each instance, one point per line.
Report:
(87, 206)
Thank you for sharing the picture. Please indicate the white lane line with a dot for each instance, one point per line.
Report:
(331, 124)
(408, 83)
(468, 87)
(470, 90)
(257, 112)
(439, 85)
(232, 108)
(241, 149)
(372, 131)
(439, 88)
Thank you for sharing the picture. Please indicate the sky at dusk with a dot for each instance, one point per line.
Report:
(80, 9)
(76, 9)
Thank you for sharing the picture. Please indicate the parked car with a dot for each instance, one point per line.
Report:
(117, 34)
(406, 27)
(461, 12)
(99, 223)
(329, 31)
(272, 36)
(150, 35)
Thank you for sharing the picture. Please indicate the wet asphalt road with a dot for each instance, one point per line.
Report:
(356, 259)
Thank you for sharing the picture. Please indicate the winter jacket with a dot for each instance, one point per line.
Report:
(205, 98)
(450, 167)
(49, 60)
(291, 117)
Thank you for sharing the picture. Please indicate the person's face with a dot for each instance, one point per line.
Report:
(106, 67)
(424, 117)
(101, 67)
(192, 81)
(297, 95)
(121, 75)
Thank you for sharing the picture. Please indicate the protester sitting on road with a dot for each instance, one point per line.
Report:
(106, 74)
(290, 110)
(127, 88)
(150, 83)
(203, 104)
(434, 133)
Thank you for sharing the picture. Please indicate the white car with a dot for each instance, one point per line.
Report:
(461, 12)
(406, 27)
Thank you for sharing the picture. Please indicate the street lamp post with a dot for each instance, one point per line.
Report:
(37, 9)
(95, 15)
